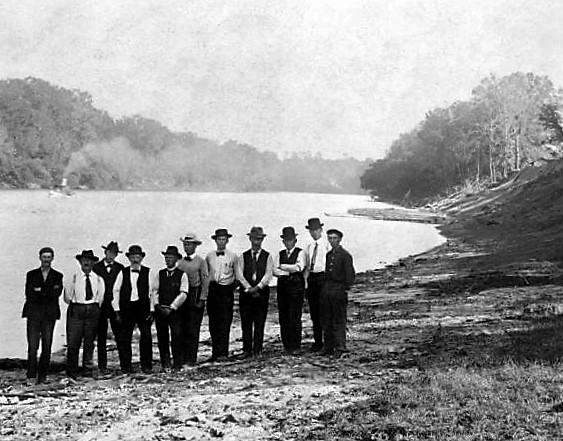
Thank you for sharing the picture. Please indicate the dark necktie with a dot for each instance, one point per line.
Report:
(220, 253)
(89, 292)
(188, 258)
(136, 271)
(254, 265)
(314, 258)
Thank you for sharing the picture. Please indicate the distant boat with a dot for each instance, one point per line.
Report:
(60, 194)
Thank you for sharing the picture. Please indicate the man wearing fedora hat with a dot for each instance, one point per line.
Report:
(315, 276)
(289, 265)
(192, 310)
(108, 269)
(133, 302)
(84, 294)
(254, 272)
(220, 300)
(169, 295)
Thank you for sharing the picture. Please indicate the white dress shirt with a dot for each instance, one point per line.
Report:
(323, 247)
(267, 276)
(299, 265)
(75, 290)
(181, 297)
(222, 268)
(134, 291)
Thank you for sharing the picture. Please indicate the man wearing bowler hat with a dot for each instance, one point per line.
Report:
(220, 300)
(192, 310)
(108, 269)
(289, 265)
(254, 272)
(84, 294)
(43, 287)
(315, 276)
(169, 295)
(133, 302)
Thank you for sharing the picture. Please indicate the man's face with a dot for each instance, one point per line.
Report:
(334, 240)
(170, 260)
(289, 243)
(86, 264)
(221, 242)
(110, 256)
(256, 242)
(316, 234)
(189, 248)
(135, 259)
(46, 259)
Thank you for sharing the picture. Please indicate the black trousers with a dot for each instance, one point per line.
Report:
(106, 314)
(315, 283)
(253, 313)
(334, 301)
(191, 325)
(81, 328)
(220, 303)
(167, 327)
(135, 313)
(39, 331)
(290, 306)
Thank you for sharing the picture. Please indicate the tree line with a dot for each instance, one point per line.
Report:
(508, 123)
(48, 133)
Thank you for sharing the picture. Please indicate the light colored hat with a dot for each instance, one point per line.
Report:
(191, 237)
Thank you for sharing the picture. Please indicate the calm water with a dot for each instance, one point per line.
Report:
(31, 219)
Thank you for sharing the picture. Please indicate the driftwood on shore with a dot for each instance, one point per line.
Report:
(399, 214)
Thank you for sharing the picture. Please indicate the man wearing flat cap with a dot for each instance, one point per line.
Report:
(192, 310)
(254, 272)
(220, 299)
(289, 265)
(133, 302)
(84, 294)
(340, 275)
(43, 287)
(315, 277)
(108, 269)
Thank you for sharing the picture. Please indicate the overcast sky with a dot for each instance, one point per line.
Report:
(343, 77)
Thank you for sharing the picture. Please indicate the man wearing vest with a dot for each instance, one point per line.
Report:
(340, 276)
(133, 304)
(170, 294)
(192, 310)
(108, 269)
(220, 300)
(289, 265)
(43, 287)
(84, 294)
(315, 277)
(254, 272)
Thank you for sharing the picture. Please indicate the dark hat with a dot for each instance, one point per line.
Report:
(314, 224)
(191, 237)
(288, 233)
(257, 232)
(173, 250)
(112, 246)
(135, 249)
(87, 254)
(335, 231)
(46, 250)
(221, 232)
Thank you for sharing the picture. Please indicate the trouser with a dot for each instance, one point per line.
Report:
(39, 330)
(81, 328)
(169, 333)
(253, 313)
(135, 313)
(315, 283)
(333, 315)
(191, 324)
(290, 305)
(220, 303)
(106, 314)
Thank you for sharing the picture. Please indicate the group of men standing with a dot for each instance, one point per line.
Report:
(176, 296)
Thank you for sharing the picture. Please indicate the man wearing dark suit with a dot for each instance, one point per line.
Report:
(43, 287)
(107, 269)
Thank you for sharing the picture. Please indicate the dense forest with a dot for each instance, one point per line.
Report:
(48, 132)
(509, 123)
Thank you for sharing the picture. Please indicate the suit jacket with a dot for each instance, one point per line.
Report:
(42, 296)
(109, 278)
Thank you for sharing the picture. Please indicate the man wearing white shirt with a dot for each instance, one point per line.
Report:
(84, 294)
(315, 276)
(133, 303)
(289, 265)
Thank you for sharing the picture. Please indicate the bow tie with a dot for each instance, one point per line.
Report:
(188, 258)
(220, 253)
(136, 271)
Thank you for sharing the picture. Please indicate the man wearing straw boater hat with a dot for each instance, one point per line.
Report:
(43, 287)
(220, 299)
(133, 303)
(108, 269)
(84, 294)
(254, 272)
(192, 310)
(315, 276)
(289, 265)
(169, 295)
